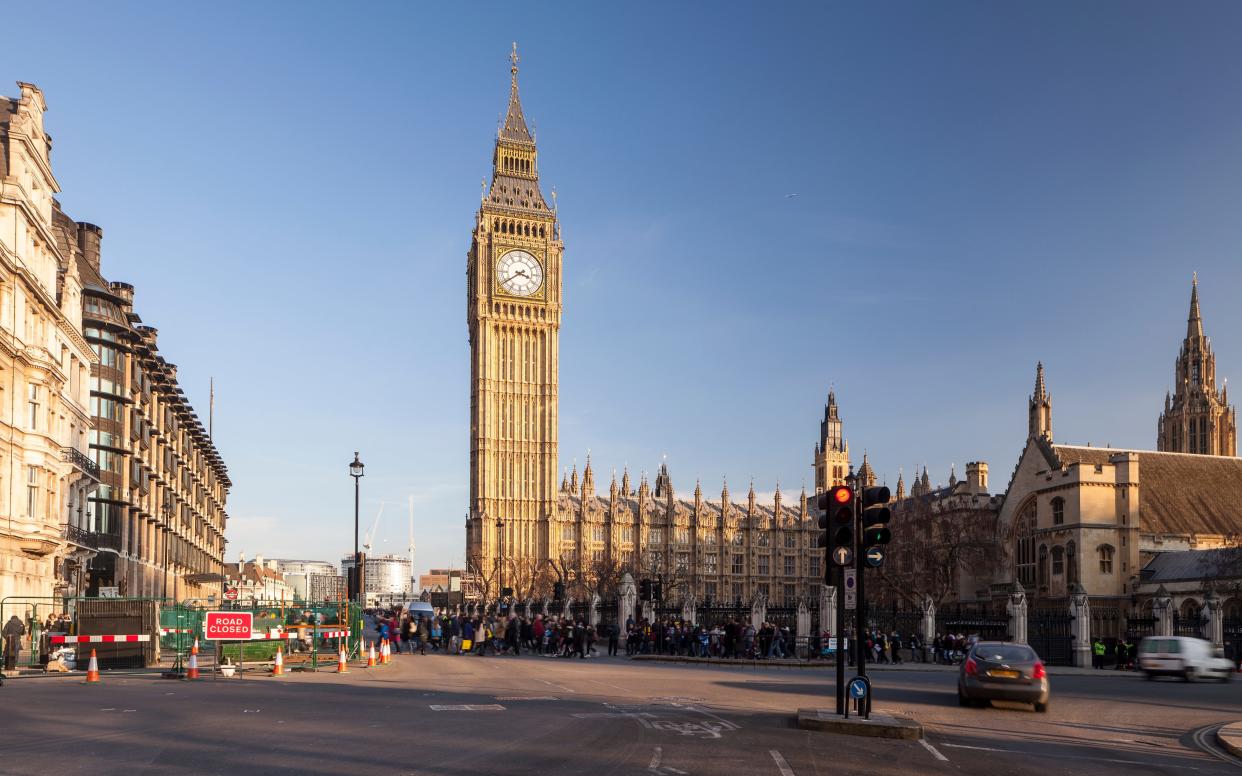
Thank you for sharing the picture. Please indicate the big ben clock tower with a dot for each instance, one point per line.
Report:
(513, 312)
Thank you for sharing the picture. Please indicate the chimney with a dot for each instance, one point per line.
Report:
(977, 477)
(89, 238)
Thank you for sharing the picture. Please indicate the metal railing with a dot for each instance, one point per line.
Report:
(80, 460)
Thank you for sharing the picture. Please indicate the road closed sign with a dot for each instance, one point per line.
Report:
(223, 626)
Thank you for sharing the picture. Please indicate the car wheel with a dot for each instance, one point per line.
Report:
(1149, 676)
(1187, 675)
(1042, 708)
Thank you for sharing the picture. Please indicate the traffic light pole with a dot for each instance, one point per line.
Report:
(860, 612)
(839, 630)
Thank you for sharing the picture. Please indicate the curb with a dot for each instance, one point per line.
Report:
(881, 724)
(1230, 737)
(930, 668)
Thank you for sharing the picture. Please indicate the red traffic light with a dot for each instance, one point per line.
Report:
(842, 495)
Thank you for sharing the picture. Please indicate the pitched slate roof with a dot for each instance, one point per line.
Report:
(1194, 565)
(1180, 493)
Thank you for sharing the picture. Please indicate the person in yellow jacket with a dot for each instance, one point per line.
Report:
(1097, 653)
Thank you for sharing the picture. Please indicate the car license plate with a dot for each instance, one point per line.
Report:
(1003, 673)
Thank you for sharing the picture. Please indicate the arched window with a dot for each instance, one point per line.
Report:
(1024, 553)
(1043, 567)
(1106, 559)
(1058, 511)
(1058, 561)
(1190, 610)
(1071, 563)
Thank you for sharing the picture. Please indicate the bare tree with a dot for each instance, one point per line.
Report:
(934, 549)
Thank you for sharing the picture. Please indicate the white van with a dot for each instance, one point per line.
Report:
(1183, 656)
(420, 609)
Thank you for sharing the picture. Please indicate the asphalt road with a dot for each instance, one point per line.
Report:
(469, 715)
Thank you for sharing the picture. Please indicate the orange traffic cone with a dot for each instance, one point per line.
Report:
(278, 668)
(191, 671)
(385, 654)
(341, 668)
(92, 669)
(387, 651)
(371, 657)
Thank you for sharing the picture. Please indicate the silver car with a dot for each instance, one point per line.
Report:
(1000, 671)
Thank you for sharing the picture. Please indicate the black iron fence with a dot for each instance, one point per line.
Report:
(894, 619)
(974, 620)
(1138, 627)
(712, 614)
(1188, 626)
(1050, 632)
(1233, 639)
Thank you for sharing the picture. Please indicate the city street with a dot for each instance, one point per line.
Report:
(470, 715)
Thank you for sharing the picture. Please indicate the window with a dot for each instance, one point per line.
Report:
(34, 407)
(764, 539)
(739, 564)
(736, 591)
(738, 539)
(763, 589)
(710, 563)
(683, 562)
(682, 535)
(791, 595)
(32, 491)
(709, 537)
(791, 539)
(627, 534)
(709, 590)
(1043, 566)
(814, 569)
(1071, 563)
(656, 536)
(1058, 511)
(599, 533)
(1106, 559)
(1058, 561)
(1025, 551)
(764, 568)
(791, 566)
(569, 533)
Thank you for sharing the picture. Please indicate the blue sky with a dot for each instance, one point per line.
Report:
(290, 187)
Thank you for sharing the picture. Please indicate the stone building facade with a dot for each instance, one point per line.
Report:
(1197, 417)
(158, 518)
(107, 479)
(46, 476)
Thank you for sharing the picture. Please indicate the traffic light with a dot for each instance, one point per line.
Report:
(657, 590)
(644, 590)
(558, 592)
(837, 521)
(874, 522)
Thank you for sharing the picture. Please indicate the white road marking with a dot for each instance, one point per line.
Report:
(935, 753)
(780, 763)
(527, 698)
(1059, 756)
(468, 707)
(655, 758)
(560, 687)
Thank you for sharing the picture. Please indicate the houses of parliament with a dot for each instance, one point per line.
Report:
(522, 525)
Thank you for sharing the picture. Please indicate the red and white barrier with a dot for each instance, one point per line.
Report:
(167, 631)
(105, 639)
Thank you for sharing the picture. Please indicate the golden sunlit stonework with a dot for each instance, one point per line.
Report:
(703, 548)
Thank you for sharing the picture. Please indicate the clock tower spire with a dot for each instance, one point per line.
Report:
(513, 316)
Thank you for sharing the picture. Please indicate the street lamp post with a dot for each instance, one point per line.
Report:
(500, 561)
(355, 471)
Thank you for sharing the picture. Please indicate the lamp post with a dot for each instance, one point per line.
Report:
(355, 471)
(500, 563)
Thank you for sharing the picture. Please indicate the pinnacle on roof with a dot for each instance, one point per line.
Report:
(514, 129)
(1041, 390)
(1194, 323)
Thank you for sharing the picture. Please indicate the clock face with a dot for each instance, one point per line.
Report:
(519, 273)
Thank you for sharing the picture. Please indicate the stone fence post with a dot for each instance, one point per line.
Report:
(1212, 609)
(1017, 608)
(688, 609)
(593, 615)
(1162, 609)
(758, 610)
(1080, 610)
(629, 594)
(929, 621)
(803, 631)
(827, 609)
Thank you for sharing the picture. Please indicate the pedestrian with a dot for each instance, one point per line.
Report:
(614, 634)
(13, 631)
(1097, 652)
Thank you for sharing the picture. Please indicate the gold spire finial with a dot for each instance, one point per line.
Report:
(514, 59)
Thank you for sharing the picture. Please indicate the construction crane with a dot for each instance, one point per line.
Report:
(413, 586)
(370, 536)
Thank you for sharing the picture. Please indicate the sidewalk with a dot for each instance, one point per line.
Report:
(829, 665)
(1230, 737)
